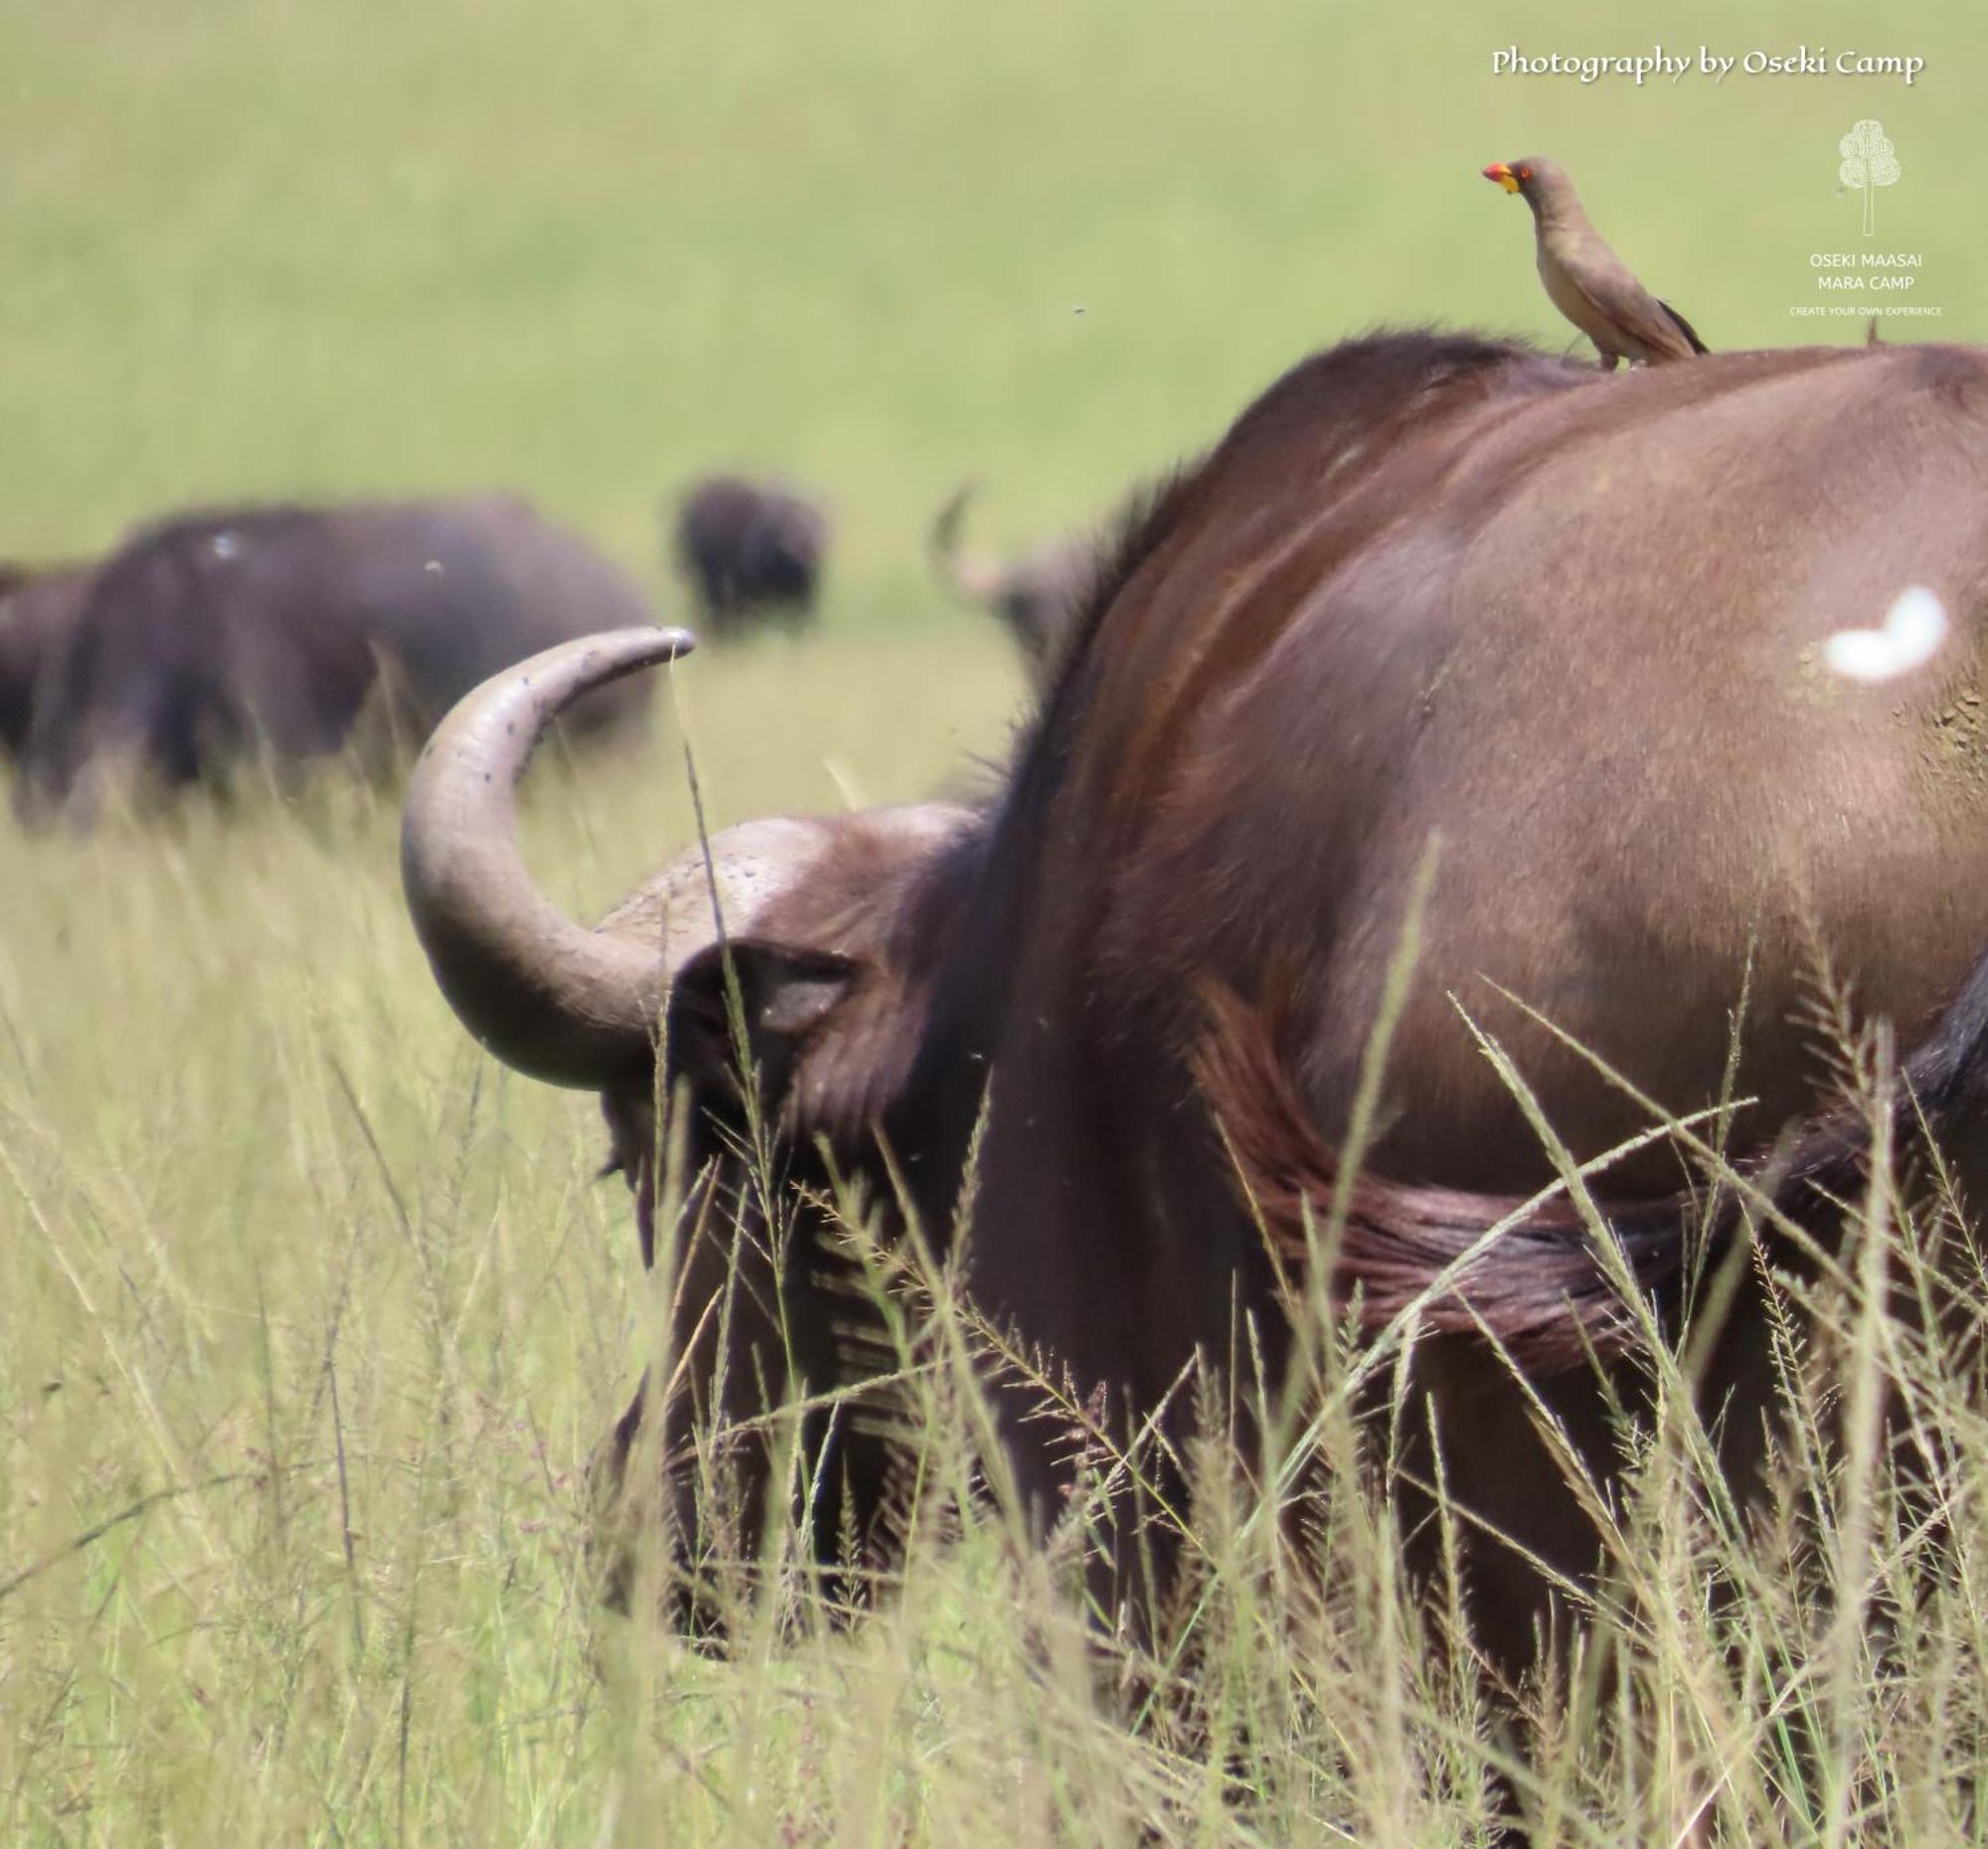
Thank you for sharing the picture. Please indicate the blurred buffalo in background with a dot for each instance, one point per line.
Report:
(288, 634)
(751, 552)
(38, 604)
(1037, 596)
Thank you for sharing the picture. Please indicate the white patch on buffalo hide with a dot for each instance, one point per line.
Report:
(1914, 627)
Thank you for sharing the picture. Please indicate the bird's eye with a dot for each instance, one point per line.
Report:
(1525, 173)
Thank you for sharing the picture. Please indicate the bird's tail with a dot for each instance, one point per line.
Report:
(1684, 327)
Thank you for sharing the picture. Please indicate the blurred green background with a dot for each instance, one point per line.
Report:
(256, 246)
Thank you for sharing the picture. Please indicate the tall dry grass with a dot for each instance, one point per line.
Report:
(312, 1318)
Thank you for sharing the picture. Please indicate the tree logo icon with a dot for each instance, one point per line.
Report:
(1868, 162)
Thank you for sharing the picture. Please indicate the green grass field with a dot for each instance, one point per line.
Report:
(310, 1315)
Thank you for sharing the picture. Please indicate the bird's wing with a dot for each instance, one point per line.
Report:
(1613, 292)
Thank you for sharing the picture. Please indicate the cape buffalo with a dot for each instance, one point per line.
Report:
(1036, 596)
(298, 632)
(750, 551)
(1427, 587)
(37, 604)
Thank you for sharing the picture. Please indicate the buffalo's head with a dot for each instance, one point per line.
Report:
(758, 1000)
(809, 936)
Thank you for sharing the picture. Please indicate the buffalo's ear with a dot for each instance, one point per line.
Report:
(785, 994)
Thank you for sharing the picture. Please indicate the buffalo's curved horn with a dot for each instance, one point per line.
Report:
(565, 1004)
(972, 581)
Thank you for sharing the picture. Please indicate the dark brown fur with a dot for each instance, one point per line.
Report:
(1439, 589)
(751, 551)
(38, 606)
(289, 634)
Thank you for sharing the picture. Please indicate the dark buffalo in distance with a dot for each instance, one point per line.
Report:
(284, 635)
(751, 552)
(1426, 587)
(1038, 595)
(37, 604)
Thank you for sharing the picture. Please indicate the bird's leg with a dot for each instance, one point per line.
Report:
(1606, 363)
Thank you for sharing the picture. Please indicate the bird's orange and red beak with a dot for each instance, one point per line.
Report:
(1503, 175)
